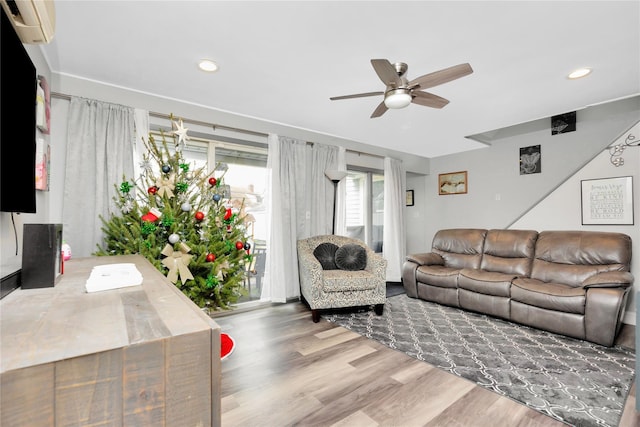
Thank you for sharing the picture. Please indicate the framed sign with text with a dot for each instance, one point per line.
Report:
(607, 201)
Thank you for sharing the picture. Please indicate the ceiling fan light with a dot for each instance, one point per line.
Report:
(398, 98)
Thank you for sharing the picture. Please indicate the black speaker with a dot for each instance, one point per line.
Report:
(41, 255)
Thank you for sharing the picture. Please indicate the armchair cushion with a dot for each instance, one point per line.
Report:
(345, 281)
(351, 257)
(325, 253)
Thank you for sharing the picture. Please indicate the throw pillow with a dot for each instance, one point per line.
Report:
(326, 254)
(351, 257)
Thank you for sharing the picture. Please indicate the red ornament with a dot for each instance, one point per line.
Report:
(227, 214)
(199, 216)
(152, 190)
(212, 181)
(211, 257)
(239, 245)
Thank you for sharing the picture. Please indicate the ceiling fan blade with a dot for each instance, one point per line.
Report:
(380, 110)
(356, 95)
(386, 72)
(440, 77)
(428, 99)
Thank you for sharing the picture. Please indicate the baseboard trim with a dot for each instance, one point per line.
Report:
(9, 283)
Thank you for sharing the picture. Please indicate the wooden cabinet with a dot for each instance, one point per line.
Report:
(137, 356)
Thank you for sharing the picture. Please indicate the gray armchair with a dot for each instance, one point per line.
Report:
(336, 287)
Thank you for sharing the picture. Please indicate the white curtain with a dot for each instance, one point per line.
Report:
(281, 270)
(394, 246)
(341, 202)
(100, 138)
(300, 203)
(320, 201)
(141, 120)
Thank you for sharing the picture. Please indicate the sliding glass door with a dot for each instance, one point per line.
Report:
(365, 207)
(246, 176)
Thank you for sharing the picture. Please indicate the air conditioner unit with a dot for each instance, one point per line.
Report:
(33, 20)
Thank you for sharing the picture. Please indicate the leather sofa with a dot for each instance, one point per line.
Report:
(574, 283)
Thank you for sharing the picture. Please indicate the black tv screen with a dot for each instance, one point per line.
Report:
(18, 86)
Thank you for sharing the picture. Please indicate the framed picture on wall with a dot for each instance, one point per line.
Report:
(530, 160)
(607, 201)
(409, 198)
(452, 183)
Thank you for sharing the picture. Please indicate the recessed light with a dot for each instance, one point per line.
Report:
(208, 65)
(580, 72)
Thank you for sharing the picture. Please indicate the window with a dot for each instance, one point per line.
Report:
(365, 207)
(246, 177)
(246, 173)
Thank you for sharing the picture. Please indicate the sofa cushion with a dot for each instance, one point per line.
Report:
(486, 304)
(438, 275)
(460, 247)
(351, 257)
(550, 296)
(325, 253)
(570, 324)
(485, 282)
(570, 257)
(509, 251)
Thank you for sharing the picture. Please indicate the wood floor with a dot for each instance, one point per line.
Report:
(288, 371)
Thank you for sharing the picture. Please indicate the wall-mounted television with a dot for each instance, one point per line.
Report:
(18, 87)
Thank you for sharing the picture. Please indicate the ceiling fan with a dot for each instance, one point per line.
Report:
(401, 92)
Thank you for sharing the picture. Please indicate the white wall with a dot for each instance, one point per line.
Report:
(497, 194)
(567, 200)
(414, 216)
(494, 171)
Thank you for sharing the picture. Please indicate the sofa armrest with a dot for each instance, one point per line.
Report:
(430, 258)
(603, 313)
(376, 264)
(609, 279)
(309, 270)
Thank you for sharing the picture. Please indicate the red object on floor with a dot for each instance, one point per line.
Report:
(227, 344)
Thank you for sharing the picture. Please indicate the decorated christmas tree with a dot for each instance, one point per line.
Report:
(182, 220)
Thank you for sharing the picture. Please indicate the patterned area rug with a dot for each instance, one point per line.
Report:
(573, 381)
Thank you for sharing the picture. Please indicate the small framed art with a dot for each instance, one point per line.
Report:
(530, 161)
(409, 198)
(452, 183)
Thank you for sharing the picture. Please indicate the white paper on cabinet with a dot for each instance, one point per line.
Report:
(113, 276)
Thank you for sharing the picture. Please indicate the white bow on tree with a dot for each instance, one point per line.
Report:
(177, 262)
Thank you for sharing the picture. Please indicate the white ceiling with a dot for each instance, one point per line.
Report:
(281, 61)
